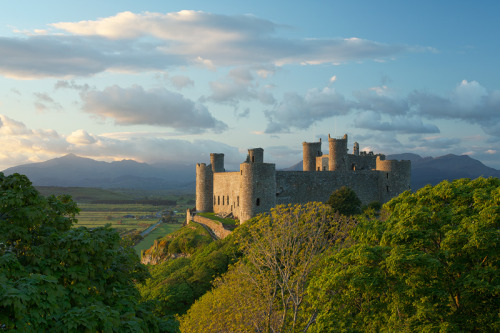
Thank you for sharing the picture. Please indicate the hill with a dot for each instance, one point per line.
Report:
(74, 171)
(433, 170)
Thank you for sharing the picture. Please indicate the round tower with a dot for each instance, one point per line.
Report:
(355, 150)
(395, 177)
(310, 150)
(204, 188)
(217, 161)
(337, 157)
(257, 189)
(256, 155)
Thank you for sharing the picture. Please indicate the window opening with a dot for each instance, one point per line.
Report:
(258, 202)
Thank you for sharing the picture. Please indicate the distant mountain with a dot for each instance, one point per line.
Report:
(71, 170)
(433, 170)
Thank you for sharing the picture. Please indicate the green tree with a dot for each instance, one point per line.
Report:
(431, 265)
(57, 278)
(345, 201)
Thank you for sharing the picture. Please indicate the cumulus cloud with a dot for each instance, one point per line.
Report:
(239, 85)
(21, 145)
(400, 124)
(134, 105)
(469, 102)
(155, 41)
(296, 111)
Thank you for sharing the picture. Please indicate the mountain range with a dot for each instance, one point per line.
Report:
(74, 171)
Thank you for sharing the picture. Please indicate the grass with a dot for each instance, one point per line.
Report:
(159, 232)
(226, 222)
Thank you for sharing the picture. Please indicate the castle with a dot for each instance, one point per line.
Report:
(257, 186)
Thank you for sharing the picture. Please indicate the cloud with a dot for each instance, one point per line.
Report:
(400, 124)
(381, 99)
(239, 85)
(181, 82)
(300, 112)
(154, 41)
(21, 145)
(44, 102)
(160, 107)
(469, 102)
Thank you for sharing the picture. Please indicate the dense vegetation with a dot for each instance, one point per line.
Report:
(427, 261)
(57, 278)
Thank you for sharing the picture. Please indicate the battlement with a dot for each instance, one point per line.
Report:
(258, 187)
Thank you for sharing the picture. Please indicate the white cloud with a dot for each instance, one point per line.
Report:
(400, 124)
(154, 41)
(181, 82)
(160, 107)
(81, 137)
(296, 111)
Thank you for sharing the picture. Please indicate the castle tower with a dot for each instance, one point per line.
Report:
(337, 157)
(256, 155)
(355, 150)
(217, 161)
(394, 177)
(204, 188)
(310, 150)
(257, 185)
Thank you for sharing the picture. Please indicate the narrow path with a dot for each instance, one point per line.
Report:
(151, 228)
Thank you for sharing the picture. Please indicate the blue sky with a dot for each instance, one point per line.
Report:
(172, 81)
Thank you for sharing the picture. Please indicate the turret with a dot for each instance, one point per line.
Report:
(394, 176)
(355, 150)
(256, 155)
(217, 161)
(257, 189)
(337, 157)
(310, 150)
(204, 188)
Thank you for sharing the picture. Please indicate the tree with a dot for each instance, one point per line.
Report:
(432, 264)
(57, 278)
(345, 201)
(266, 290)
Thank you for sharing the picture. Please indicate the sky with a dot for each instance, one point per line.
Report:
(173, 81)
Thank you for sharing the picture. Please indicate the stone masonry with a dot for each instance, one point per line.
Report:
(257, 186)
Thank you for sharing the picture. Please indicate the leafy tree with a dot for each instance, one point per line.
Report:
(266, 290)
(57, 278)
(345, 201)
(431, 265)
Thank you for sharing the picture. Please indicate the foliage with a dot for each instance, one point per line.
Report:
(345, 201)
(57, 278)
(431, 265)
(266, 290)
(184, 241)
(176, 284)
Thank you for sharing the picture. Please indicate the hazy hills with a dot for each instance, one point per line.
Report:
(74, 171)
(71, 170)
(432, 170)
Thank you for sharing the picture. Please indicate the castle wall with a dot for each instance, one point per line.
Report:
(362, 162)
(226, 192)
(204, 187)
(302, 187)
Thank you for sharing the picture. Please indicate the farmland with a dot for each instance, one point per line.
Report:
(130, 212)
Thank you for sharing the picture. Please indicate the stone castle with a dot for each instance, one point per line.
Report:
(257, 186)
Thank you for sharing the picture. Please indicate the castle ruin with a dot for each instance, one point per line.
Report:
(257, 186)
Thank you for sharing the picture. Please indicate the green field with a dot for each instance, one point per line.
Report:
(159, 232)
(126, 216)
